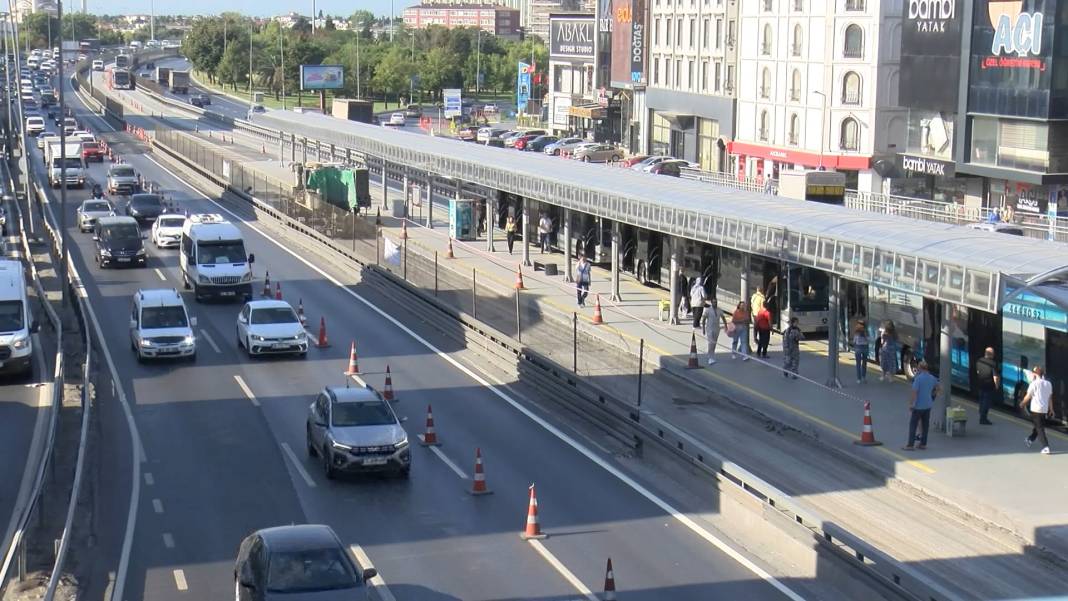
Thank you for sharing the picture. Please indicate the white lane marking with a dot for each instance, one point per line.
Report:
(562, 570)
(211, 341)
(685, 520)
(377, 583)
(160, 274)
(179, 580)
(296, 463)
(168, 540)
(248, 391)
(448, 462)
(157, 505)
(358, 380)
(149, 480)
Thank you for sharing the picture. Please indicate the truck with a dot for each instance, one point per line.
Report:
(353, 110)
(163, 76)
(119, 79)
(179, 82)
(70, 154)
(212, 260)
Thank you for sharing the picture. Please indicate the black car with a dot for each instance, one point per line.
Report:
(145, 208)
(118, 241)
(538, 144)
(205, 100)
(196, 101)
(294, 562)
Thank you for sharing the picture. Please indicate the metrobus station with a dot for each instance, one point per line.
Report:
(950, 291)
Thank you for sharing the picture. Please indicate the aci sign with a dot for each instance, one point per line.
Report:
(1015, 31)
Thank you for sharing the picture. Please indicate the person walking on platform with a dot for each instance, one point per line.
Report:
(509, 232)
(740, 341)
(762, 327)
(860, 351)
(757, 300)
(924, 390)
(582, 279)
(791, 349)
(545, 228)
(888, 351)
(697, 301)
(713, 322)
(1038, 403)
(989, 380)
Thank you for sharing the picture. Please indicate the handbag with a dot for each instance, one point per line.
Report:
(731, 328)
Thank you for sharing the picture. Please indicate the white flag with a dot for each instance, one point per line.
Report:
(391, 252)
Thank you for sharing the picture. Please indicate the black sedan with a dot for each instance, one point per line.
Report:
(145, 208)
(196, 101)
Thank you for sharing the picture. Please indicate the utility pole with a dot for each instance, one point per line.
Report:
(152, 20)
(478, 61)
(62, 171)
(358, 64)
(411, 78)
(314, 16)
(24, 162)
(392, 12)
(282, 54)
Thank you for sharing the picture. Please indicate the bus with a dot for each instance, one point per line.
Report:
(817, 186)
(122, 61)
(119, 79)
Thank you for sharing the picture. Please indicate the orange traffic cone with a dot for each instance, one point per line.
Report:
(533, 528)
(267, 284)
(448, 254)
(322, 342)
(300, 313)
(609, 582)
(430, 437)
(478, 486)
(354, 367)
(867, 435)
(387, 389)
(597, 319)
(278, 291)
(693, 364)
(519, 278)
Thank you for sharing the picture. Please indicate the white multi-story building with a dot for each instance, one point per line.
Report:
(818, 87)
(26, 7)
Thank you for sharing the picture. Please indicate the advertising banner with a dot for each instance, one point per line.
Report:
(921, 165)
(930, 54)
(453, 102)
(638, 43)
(321, 77)
(605, 21)
(1011, 62)
(622, 21)
(571, 36)
(522, 86)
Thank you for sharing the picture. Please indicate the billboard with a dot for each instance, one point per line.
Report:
(629, 44)
(1011, 66)
(522, 86)
(930, 54)
(453, 102)
(321, 77)
(571, 36)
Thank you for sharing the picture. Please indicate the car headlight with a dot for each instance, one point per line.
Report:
(146, 342)
(203, 279)
(141, 252)
(190, 339)
(105, 252)
(258, 338)
(340, 447)
(300, 336)
(401, 445)
(20, 343)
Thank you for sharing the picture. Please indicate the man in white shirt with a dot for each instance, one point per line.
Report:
(1039, 405)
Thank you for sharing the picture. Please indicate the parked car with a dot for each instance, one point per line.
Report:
(631, 161)
(554, 147)
(530, 134)
(486, 133)
(522, 141)
(648, 163)
(491, 108)
(497, 140)
(509, 140)
(597, 153)
(538, 144)
(565, 150)
(467, 133)
(672, 167)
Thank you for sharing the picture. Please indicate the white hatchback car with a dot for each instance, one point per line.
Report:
(397, 119)
(167, 230)
(270, 327)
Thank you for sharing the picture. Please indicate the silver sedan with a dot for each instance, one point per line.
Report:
(91, 210)
(597, 153)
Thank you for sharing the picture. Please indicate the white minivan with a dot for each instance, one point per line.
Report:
(17, 324)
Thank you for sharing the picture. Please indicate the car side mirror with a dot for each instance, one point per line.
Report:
(369, 573)
(251, 258)
(192, 322)
(241, 318)
(35, 326)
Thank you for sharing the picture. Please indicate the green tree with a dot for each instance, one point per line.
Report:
(361, 22)
(392, 72)
(439, 69)
(233, 68)
(36, 29)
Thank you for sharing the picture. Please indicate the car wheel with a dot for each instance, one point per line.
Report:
(328, 464)
(248, 348)
(586, 159)
(309, 444)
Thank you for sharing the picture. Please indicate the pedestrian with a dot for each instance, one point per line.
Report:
(509, 232)
(860, 350)
(925, 388)
(888, 352)
(757, 300)
(1038, 403)
(791, 349)
(989, 381)
(582, 279)
(713, 323)
(740, 341)
(545, 228)
(697, 301)
(762, 329)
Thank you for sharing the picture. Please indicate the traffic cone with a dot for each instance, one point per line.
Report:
(354, 367)
(533, 528)
(267, 284)
(609, 582)
(597, 319)
(278, 291)
(387, 389)
(519, 278)
(430, 437)
(867, 434)
(300, 313)
(693, 363)
(322, 342)
(478, 486)
(448, 254)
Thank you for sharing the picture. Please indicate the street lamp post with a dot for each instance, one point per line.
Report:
(62, 170)
(282, 54)
(823, 124)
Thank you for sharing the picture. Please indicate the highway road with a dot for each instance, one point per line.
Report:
(223, 454)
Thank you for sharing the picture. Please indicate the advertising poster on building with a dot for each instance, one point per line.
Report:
(453, 102)
(1011, 63)
(522, 86)
(638, 43)
(561, 110)
(321, 77)
(930, 54)
(571, 36)
(628, 43)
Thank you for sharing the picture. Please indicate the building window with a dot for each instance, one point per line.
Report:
(765, 83)
(795, 47)
(678, 73)
(765, 46)
(667, 31)
(854, 4)
(656, 71)
(854, 42)
(678, 34)
(851, 88)
(719, 33)
(656, 32)
(799, 5)
(704, 76)
(558, 78)
(704, 33)
(693, 37)
(689, 75)
(795, 128)
(716, 75)
(660, 140)
(764, 129)
(707, 134)
(731, 27)
(795, 85)
(729, 86)
(769, 5)
(850, 138)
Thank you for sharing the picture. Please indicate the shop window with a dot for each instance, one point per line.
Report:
(765, 83)
(1010, 143)
(854, 42)
(765, 46)
(795, 47)
(764, 130)
(707, 152)
(851, 88)
(769, 5)
(660, 141)
(850, 137)
(855, 4)
(795, 127)
(795, 85)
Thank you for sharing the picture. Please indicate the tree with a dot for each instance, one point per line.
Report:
(440, 69)
(233, 68)
(36, 28)
(361, 22)
(392, 74)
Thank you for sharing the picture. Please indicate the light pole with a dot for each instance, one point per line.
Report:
(250, 65)
(282, 54)
(478, 62)
(823, 124)
(62, 169)
(392, 12)
(24, 162)
(358, 63)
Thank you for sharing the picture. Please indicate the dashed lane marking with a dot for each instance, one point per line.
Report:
(160, 274)
(149, 480)
(211, 341)
(157, 505)
(248, 391)
(179, 580)
(296, 463)
(562, 570)
(168, 540)
(441, 455)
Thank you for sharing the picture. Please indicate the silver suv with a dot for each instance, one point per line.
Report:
(122, 179)
(355, 430)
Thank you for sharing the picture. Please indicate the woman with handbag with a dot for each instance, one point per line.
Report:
(740, 339)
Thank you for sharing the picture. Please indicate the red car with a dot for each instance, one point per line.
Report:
(91, 151)
(521, 142)
(634, 160)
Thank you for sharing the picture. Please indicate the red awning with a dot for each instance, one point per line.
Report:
(808, 159)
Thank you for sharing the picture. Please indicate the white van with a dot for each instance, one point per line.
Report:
(160, 326)
(17, 324)
(213, 260)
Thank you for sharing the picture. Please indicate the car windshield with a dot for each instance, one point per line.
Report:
(10, 316)
(96, 207)
(220, 252)
(90, 146)
(68, 162)
(309, 570)
(270, 315)
(171, 222)
(146, 202)
(122, 172)
(362, 414)
(163, 317)
(120, 231)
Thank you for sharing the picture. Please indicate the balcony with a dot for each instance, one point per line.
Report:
(851, 97)
(853, 52)
(765, 92)
(795, 94)
(855, 5)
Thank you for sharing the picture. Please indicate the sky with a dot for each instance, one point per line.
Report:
(259, 8)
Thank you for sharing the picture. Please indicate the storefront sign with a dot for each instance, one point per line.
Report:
(1015, 32)
(604, 16)
(921, 165)
(571, 36)
(628, 44)
(561, 110)
(930, 54)
(1011, 60)
(637, 44)
(808, 159)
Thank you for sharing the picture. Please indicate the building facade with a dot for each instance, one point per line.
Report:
(572, 98)
(817, 88)
(498, 20)
(538, 11)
